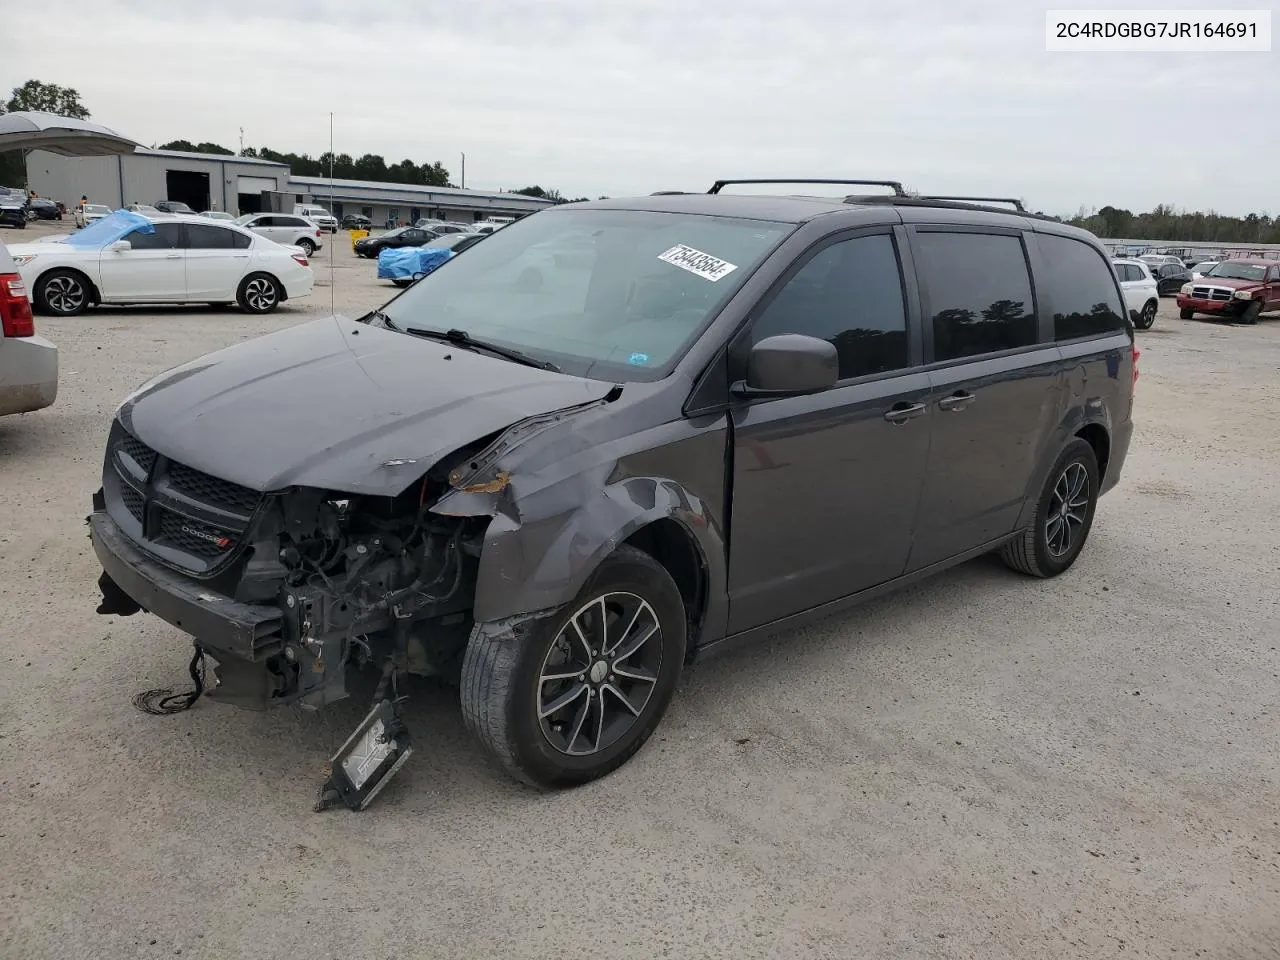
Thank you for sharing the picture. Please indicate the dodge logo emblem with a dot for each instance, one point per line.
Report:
(221, 542)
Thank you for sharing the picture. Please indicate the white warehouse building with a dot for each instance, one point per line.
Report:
(248, 185)
(202, 181)
(385, 202)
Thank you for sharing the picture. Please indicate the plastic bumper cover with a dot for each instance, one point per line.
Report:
(226, 627)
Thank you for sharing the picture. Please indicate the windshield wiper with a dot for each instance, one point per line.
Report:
(464, 339)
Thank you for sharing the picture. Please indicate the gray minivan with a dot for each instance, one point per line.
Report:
(556, 479)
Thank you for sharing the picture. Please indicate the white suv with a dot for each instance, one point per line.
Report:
(1141, 293)
(292, 231)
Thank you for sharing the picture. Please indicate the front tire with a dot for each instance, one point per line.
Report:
(259, 293)
(63, 293)
(1186, 314)
(1251, 313)
(1148, 315)
(569, 698)
(1063, 517)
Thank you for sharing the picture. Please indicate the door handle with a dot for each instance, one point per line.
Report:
(903, 412)
(173, 256)
(957, 401)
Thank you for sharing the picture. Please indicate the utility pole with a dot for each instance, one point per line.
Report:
(241, 142)
(464, 172)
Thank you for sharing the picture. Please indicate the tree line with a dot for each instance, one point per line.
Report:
(1167, 223)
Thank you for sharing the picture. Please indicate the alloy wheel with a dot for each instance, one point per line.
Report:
(1068, 508)
(260, 294)
(599, 674)
(64, 294)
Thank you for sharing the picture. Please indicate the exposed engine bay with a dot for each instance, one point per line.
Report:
(361, 581)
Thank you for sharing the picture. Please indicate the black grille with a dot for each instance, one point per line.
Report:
(132, 501)
(193, 537)
(206, 489)
(142, 455)
(184, 516)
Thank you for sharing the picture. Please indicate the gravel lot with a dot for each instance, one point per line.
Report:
(982, 766)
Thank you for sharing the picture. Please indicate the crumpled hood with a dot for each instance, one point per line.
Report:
(339, 405)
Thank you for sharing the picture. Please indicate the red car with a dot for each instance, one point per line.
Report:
(1240, 289)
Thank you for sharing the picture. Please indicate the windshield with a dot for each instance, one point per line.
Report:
(610, 294)
(1237, 271)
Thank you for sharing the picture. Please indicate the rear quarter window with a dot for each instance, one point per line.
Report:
(1079, 288)
(978, 290)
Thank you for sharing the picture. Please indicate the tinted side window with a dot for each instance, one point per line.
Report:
(201, 237)
(1127, 272)
(1078, 285)
(168, 236)
(979, 293)
(850, 294)
(264, 222)
(291, 222)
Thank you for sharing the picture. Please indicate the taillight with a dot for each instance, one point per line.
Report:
(301, 258)
(318, 235)
(1136, 354)
(15, 309)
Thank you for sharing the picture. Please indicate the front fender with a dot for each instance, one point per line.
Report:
(528, 565)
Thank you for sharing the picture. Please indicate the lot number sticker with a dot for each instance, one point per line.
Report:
(695, 261)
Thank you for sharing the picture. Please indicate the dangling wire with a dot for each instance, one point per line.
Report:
(161, 702)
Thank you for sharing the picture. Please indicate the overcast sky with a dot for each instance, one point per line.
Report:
(610, 97)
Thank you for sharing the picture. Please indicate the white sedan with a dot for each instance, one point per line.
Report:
(128, 258)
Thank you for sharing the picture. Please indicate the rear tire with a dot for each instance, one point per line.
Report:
(1063, 517)
(1186, 314)
(1148, 315)
(508, 701)
(1251, 313)
(307, 246)
(259, 293)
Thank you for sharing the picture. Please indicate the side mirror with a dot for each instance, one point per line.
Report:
(120, 246)
(789, 365)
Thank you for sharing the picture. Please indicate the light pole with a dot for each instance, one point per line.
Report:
(463, 184)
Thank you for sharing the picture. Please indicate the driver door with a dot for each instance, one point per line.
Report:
(826, 487)
(152, 269)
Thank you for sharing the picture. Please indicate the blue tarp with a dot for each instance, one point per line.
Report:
(407, 263)
(110, 229)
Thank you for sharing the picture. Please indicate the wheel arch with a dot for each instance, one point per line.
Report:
(1094, 430)
(95, 295)
(529, 565)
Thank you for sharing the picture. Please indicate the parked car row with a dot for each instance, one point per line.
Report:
(422, 232)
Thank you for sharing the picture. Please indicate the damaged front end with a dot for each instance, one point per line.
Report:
(289, 591)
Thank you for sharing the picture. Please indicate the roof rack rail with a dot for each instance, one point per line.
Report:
(669, 193)
(895, 185)
(1017, 204)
